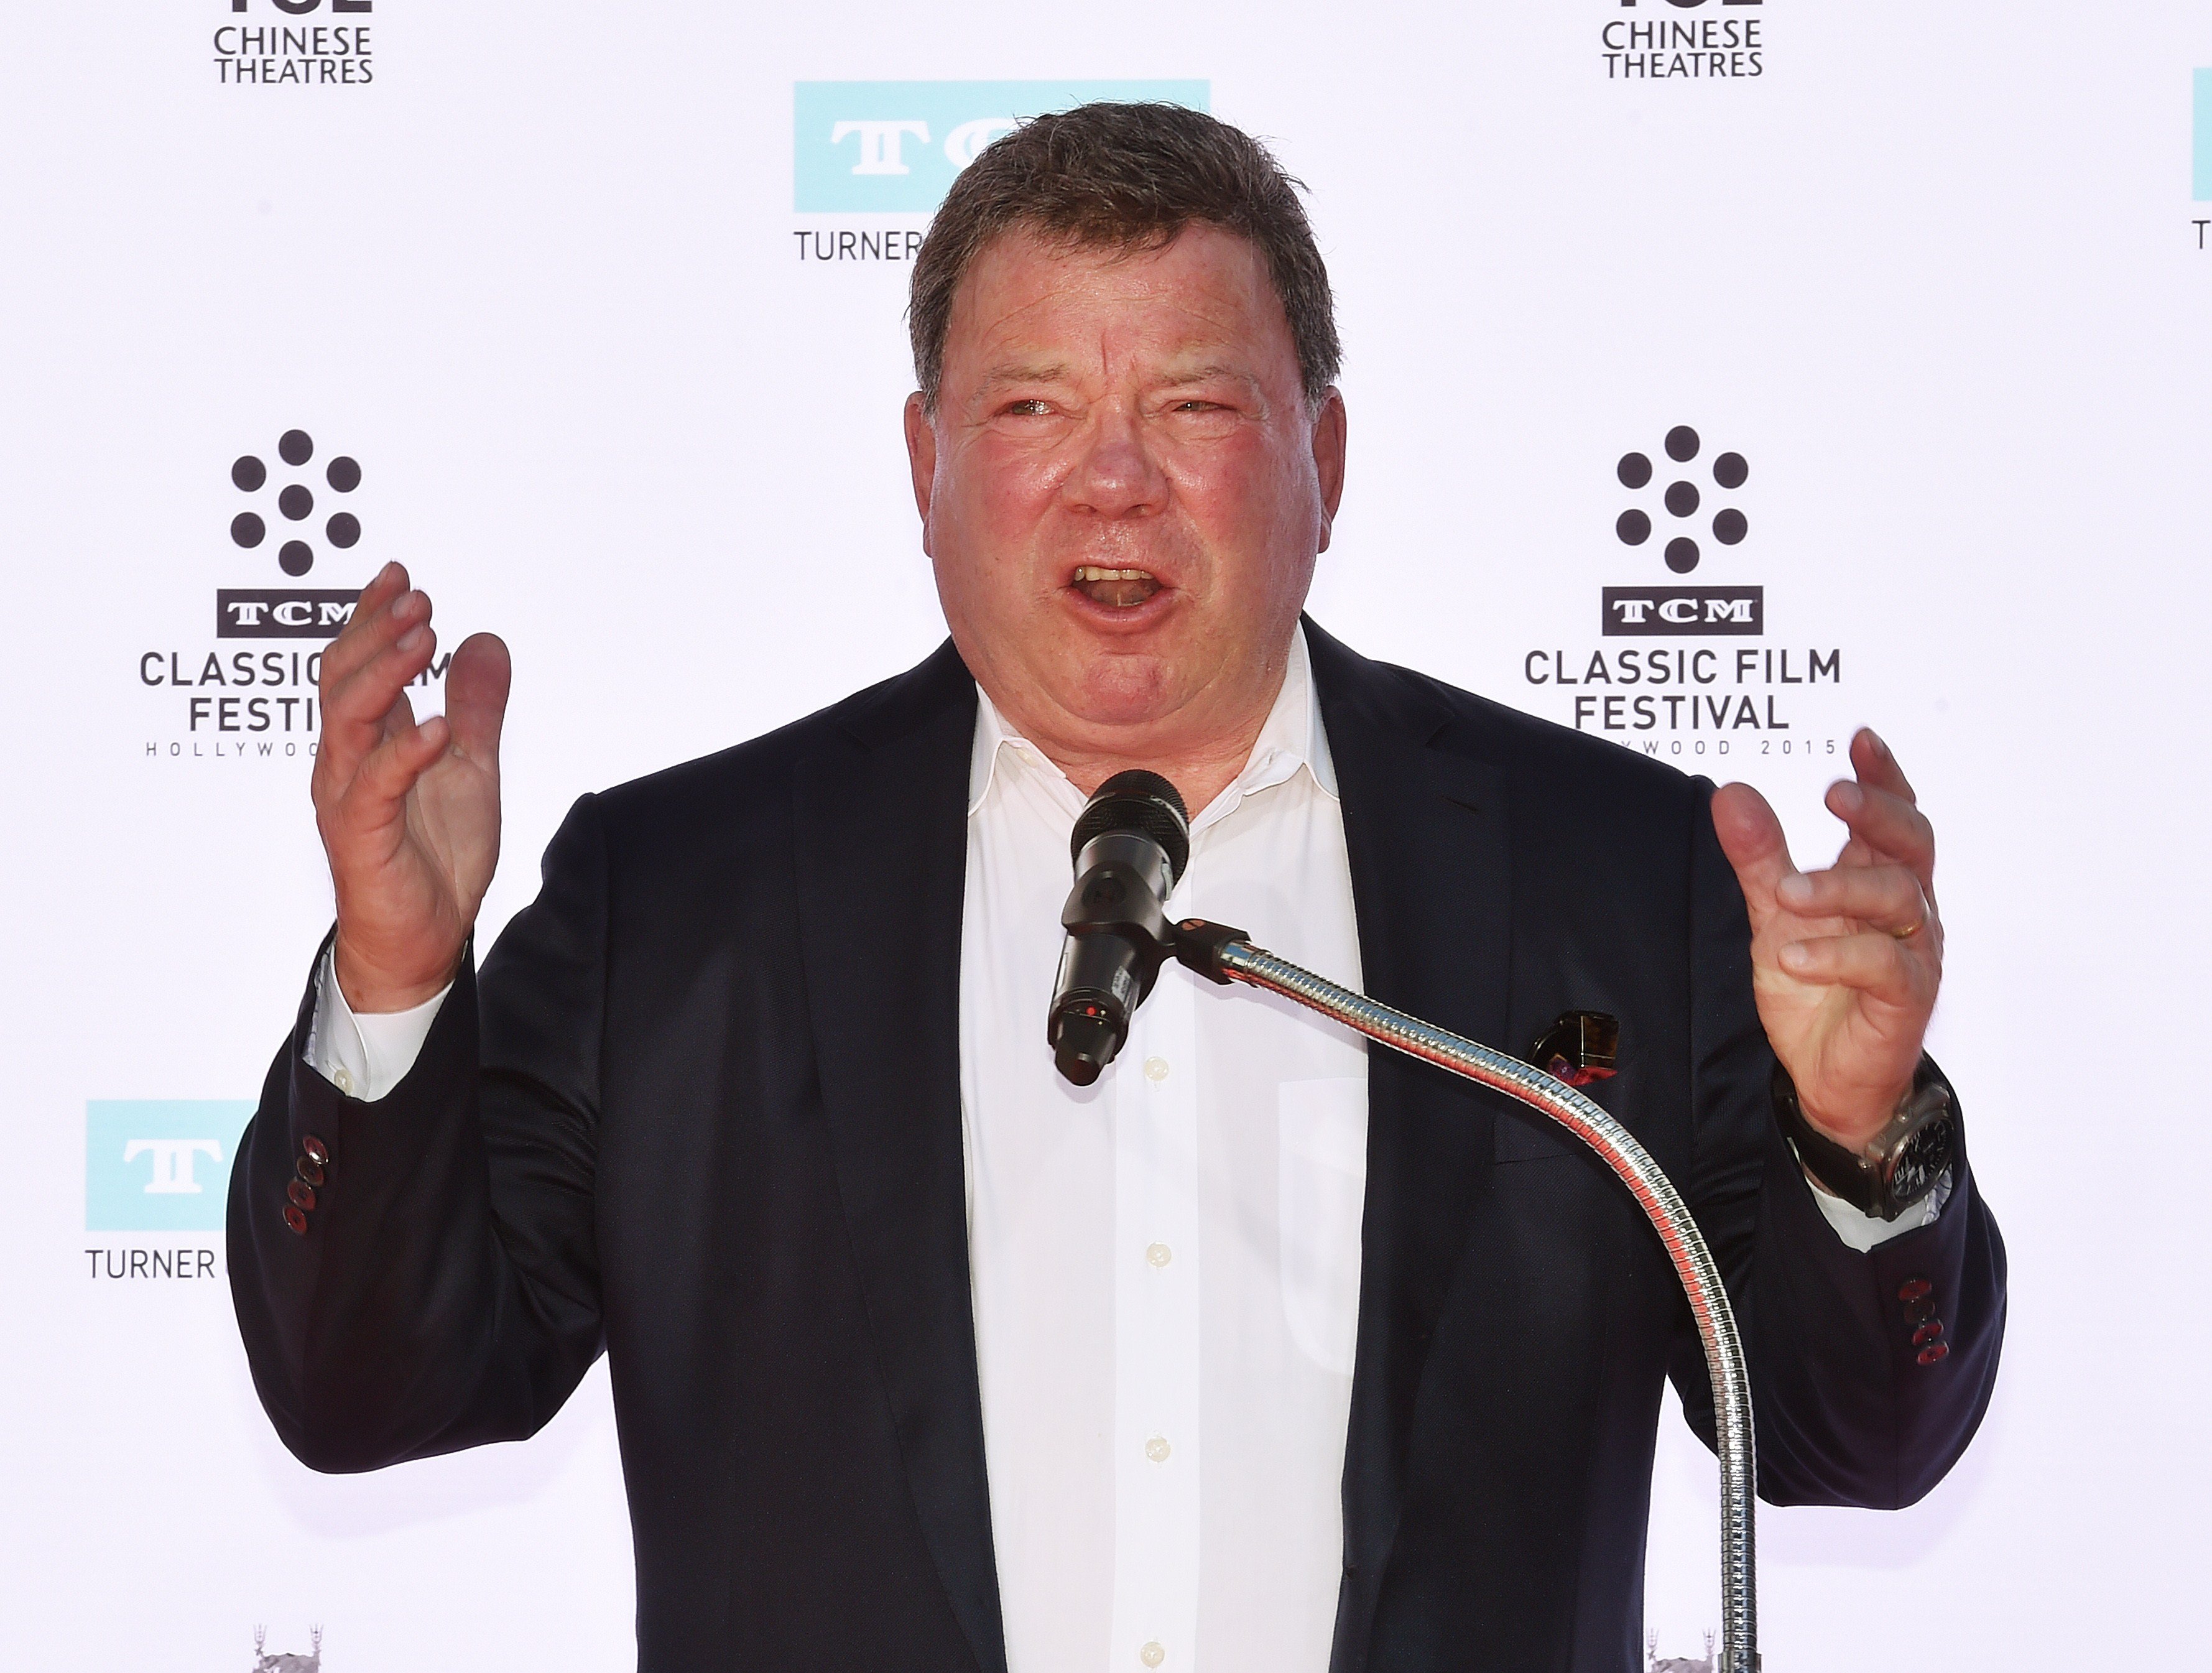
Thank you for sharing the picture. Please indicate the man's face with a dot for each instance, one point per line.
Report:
(1123, 487)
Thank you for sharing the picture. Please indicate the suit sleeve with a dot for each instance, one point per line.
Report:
(1849, 1408)
(444, 1291)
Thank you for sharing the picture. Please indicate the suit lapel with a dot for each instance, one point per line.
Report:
(1427, 835)
(882, 831)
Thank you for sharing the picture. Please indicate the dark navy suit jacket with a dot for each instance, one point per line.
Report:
(701, 1110)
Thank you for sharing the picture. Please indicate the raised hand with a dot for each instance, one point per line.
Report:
(409, 813)
(1845, 962)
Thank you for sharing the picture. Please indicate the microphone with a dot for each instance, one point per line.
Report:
(1130, 847)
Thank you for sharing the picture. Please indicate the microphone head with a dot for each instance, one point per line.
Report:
(1143, 804)
(1084, 1040)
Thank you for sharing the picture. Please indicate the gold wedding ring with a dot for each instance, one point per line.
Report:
(1908, 933)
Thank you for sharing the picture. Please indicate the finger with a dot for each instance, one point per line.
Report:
(353, 711)
(372, 631)
(1752, 838)
(386, 585)
(1886, 825)
(1889, 897)
(377, 793)
(1876, 765)
(477, 681)
(399, 716)
(385, 609)
(1876, 964)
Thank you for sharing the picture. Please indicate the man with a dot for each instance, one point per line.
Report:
(1264, 1351)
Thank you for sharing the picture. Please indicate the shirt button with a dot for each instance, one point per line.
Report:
(343, 1081)
(1156, 1069)
(1157, 1449)
(1159, 1254)
(1153, 1655)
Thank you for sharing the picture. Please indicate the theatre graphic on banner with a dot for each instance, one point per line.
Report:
(161, 1167)
(294, 43)
(1682, 663)
(268, 1661)
(1683, 41)
(238, 683)
(871, 160)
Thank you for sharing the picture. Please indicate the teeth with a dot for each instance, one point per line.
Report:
(1088, 572)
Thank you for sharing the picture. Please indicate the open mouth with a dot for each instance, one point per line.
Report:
(1117, 589)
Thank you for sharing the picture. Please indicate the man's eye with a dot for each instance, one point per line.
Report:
(1029, 409)
(1194, 404)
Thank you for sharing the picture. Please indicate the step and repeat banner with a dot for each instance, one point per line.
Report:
(1723, 374)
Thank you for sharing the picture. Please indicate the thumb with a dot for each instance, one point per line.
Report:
(1752, 838)
(476, 684)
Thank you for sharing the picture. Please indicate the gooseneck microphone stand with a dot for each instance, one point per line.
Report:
(1226, 955)
(1130, 848)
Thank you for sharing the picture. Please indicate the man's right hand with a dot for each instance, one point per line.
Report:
(409, 813)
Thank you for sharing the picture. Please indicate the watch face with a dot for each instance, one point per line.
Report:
(1921, 1162)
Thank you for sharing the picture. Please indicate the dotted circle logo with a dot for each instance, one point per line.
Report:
(1682, 499)
(295, 502)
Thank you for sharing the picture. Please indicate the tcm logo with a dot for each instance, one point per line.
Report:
(1674, 612)
(301, 8)
(895, 147)
(1687, 5)
(264, 612)
(158, 1166)
(289, 612)
(2203, 138)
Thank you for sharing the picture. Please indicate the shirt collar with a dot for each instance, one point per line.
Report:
(1293, 738)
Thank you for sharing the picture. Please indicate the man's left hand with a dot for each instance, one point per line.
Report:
(1845, 962)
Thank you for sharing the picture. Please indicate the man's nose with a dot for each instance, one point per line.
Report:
(1116, 475)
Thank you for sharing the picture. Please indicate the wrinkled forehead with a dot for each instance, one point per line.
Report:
(1035, 300)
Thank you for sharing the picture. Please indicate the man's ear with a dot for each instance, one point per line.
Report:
(920, 456)
(1328, 458)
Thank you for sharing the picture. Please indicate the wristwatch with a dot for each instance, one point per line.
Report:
(1897, 1167)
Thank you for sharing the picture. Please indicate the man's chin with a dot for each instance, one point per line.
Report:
(1121, 687)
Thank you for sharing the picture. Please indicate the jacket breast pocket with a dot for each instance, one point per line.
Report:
(1321, 1191)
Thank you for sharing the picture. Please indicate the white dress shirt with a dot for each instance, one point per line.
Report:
(1164, 1265)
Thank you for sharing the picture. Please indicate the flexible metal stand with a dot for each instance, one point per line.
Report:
(1225, 955)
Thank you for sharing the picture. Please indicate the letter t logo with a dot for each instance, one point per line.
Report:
(172, 1163)
(879, 144)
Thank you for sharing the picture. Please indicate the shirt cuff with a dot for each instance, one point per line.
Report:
(1866, 1232)
(364, 1057)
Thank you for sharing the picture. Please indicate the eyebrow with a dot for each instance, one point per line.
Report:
(1047, 372)
(1034, 372)
(1215, 370)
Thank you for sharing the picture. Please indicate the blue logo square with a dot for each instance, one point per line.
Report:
(895, 147)
(2204, 135)
(160, 1165)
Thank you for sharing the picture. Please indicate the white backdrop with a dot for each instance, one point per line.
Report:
(1936, 273)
